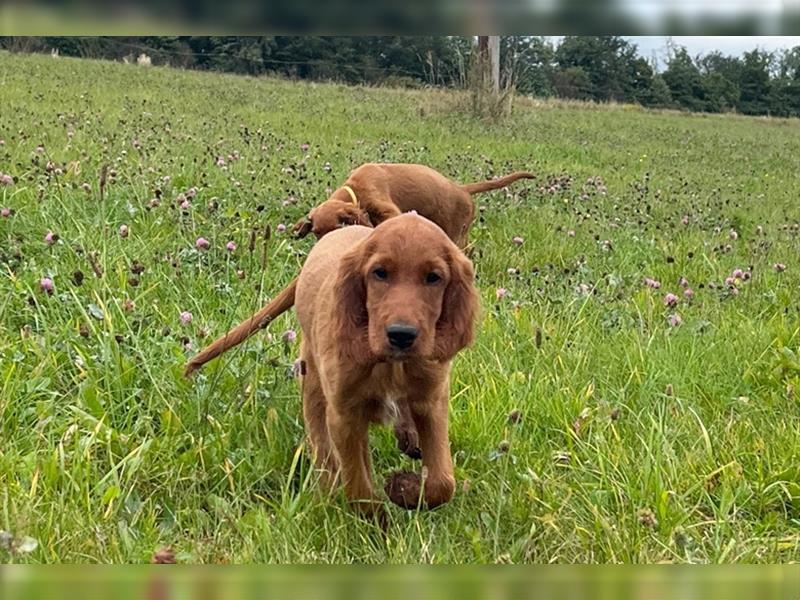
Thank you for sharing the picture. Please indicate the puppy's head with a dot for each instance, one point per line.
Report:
(330, 215)
(406, 292)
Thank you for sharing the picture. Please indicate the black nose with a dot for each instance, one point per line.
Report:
(401, 336)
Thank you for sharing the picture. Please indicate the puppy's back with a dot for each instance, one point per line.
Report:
(406, 179)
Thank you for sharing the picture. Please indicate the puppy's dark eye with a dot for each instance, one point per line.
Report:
(432, 278)
(380, 273)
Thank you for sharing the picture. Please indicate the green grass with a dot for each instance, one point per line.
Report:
(638, 441)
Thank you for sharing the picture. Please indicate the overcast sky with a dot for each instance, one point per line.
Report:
(735, 45)
(655, 46)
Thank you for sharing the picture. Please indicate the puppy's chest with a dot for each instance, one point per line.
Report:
(388, 381)
(386, 385)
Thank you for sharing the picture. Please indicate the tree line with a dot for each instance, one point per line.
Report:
(597, 68)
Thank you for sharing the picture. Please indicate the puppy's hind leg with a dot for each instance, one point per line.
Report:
(314, 404)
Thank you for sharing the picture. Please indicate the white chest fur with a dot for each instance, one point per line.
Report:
(387, 385)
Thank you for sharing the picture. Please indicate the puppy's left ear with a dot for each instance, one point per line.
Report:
(456, 326)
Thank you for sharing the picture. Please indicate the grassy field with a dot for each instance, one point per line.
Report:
(590, 422)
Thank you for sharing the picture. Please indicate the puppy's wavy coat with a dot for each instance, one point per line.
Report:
(375, 192)
(383, 312)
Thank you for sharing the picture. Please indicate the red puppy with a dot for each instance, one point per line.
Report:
(383, 312)
(375, 192)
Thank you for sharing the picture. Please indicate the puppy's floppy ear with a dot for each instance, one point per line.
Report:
(456, 326)
(303, 227)
(350, 327)
(363, 219)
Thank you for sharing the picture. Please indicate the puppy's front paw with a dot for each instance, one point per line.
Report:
(404, 489)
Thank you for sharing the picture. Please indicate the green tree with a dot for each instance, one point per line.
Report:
(721, 76)
(573, 82)
(755, 82)
(660, 95)
(684, 81)
(531, 59)
(607, 61)
(784, 98)
(640, 77)
(721, 94)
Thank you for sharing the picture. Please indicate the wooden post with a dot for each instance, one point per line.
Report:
(483, 45)
(494, 61)
(489, 53)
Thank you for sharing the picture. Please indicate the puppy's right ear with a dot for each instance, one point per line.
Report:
(456, 327)
(303, 227)
(350, 298)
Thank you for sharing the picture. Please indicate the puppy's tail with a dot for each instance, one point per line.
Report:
(493, 184)
(282, 302)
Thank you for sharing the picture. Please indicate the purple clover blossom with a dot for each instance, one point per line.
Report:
(652, 283)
